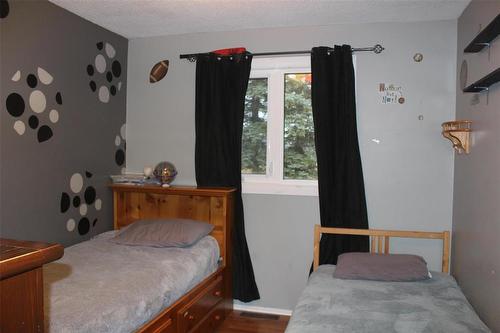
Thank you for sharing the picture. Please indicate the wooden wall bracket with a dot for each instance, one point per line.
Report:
(458, 132)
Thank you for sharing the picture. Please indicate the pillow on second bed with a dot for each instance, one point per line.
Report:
(381, 267)
(163, 233)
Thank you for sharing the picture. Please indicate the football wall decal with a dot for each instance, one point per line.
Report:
(158, 71)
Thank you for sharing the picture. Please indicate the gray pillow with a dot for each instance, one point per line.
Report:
(163, 233)
(381, 267)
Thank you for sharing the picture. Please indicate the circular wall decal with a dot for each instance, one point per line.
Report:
(418, 57)
(38, 102)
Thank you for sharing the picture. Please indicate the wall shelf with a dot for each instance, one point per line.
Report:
(484, 38)
(458, 132)
(484, 83)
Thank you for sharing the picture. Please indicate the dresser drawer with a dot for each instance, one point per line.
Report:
(212, 321)
(190, 315)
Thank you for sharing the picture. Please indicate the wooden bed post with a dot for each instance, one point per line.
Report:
(446, 252)
(317, 235)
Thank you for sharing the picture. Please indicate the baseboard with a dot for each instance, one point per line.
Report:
(260, 309)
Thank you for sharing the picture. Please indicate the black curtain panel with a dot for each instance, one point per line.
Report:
(340, 177)
(221, 85)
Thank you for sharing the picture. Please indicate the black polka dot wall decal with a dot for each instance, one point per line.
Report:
(112, 90)
(120, 157)
(99, 45)
(92, 85)
(94, 223)
(109, 76)
(90, 195)
(59, 98)
(44, 133)
(90, 70)
(15, 105)
(4, 8)
(83, 226)
(76, 201)
(116, 68)
(32, 81)
(65, 202)
(33, 122)
(88, 174)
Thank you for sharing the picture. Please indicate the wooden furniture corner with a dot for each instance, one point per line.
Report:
(21, 283)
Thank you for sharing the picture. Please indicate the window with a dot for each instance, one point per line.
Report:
(278, 153)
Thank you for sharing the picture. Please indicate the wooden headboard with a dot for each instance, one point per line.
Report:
(212, 205)
(379, 240)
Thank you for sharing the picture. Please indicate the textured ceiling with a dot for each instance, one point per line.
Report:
(146, 18)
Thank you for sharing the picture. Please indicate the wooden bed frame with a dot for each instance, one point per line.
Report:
(379, 240)
(205, 306)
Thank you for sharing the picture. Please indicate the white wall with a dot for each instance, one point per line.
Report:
(408, 175)
(476, 209)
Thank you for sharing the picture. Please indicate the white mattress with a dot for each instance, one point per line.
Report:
(99, 286)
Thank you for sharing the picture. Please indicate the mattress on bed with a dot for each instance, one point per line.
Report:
(99, 286)
(330, 305)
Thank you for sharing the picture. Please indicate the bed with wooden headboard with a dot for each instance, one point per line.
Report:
(371, 305)
(204, 307)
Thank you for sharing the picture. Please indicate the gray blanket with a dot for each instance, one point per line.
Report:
(330, 305)
(99, 286)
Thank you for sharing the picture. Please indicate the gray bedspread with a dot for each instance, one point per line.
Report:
(99, 286)
(330, 305)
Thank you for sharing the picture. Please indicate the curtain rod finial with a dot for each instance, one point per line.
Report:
(378, 48)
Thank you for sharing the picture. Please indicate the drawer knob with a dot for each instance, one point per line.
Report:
(217, 317)
(188, 315)
(217, 293)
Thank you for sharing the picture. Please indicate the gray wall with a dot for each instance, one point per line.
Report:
(408, 174)
(36, 167)
(476, 209)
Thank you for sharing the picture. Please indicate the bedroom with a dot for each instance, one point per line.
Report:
(413, 178)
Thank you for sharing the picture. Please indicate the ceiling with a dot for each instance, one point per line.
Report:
(147, 18)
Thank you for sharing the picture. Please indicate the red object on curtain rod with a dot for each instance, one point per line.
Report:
(230, 51)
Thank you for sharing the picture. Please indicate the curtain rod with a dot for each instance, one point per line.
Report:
(376, 49)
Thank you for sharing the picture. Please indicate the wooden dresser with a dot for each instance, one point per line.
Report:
(21, 283)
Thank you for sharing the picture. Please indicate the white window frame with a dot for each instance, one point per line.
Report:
(273, 68)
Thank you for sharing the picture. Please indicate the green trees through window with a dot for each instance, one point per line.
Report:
(299, 154)
(254, 140)
(297, 136)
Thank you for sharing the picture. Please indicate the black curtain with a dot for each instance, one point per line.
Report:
(340, 177)
(221, 85)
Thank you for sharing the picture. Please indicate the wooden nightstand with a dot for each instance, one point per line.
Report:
(21, 283)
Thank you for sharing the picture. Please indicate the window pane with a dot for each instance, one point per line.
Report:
(254, 141)
(299, 154)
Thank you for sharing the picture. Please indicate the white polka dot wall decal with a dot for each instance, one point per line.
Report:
(54, 116)
(98, 204)
(119, 85)
(17, 76)
(70, 225)
(100, 63)
(19, 127)
(104, 94)
(38, 102)
(83, 209)
(110, 50)
(44, 76)
(76, 183)
(123, 131)
(117, 141)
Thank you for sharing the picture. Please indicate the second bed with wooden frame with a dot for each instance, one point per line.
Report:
(371, 304)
